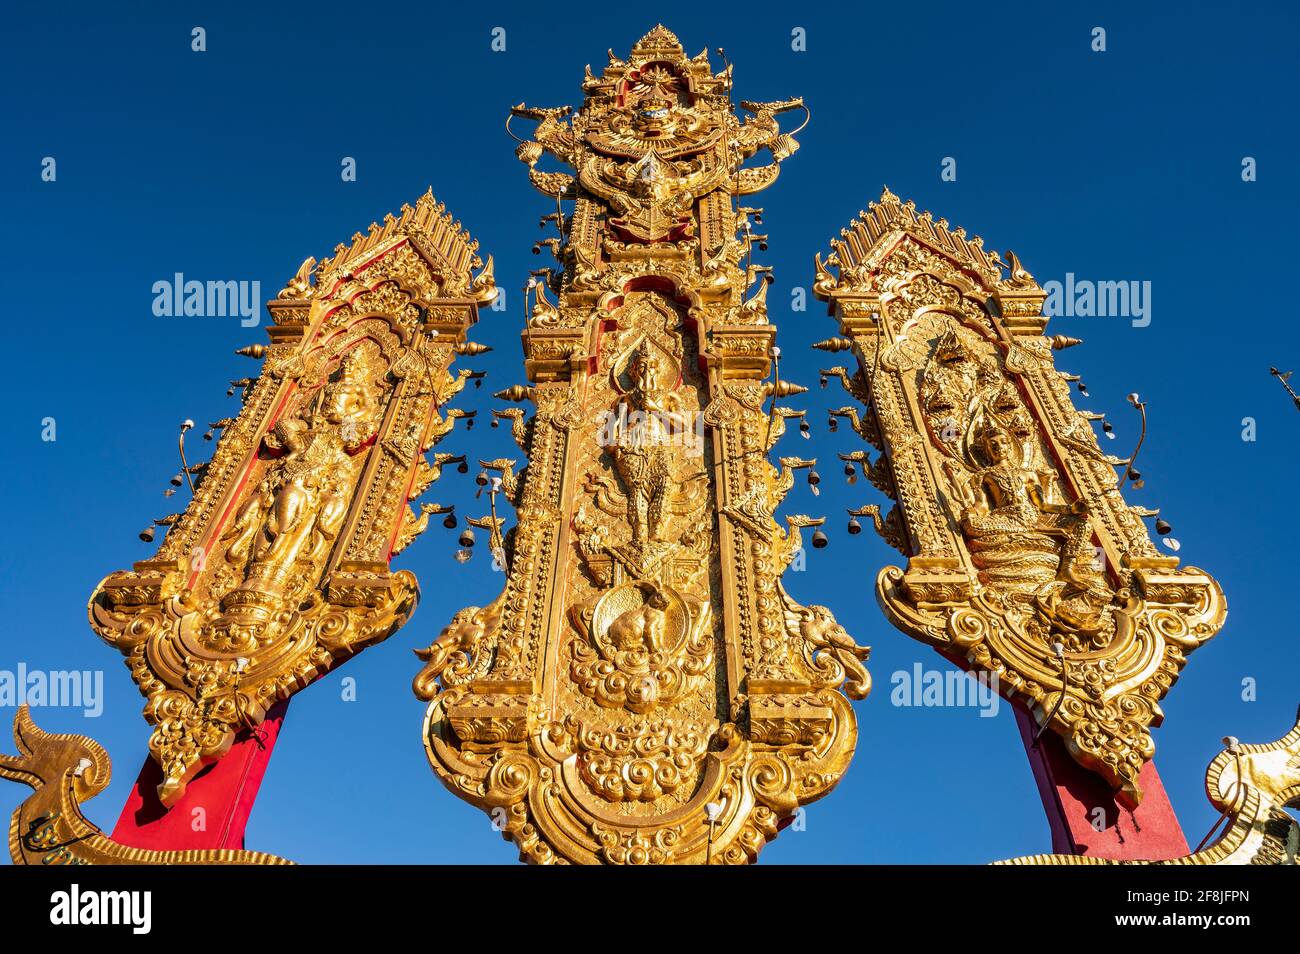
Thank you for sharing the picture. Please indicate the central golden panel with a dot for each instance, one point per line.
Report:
(644, 690)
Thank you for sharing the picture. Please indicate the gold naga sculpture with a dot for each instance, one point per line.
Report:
(279, 567)
(48, 828)
(1252, 786)
(644, 690)
(1023, 558)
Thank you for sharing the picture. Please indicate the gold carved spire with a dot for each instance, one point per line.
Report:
(278, 569)
(440, 236)
(853, 250)
(659, 43)
(1023, 558)
(644, 690)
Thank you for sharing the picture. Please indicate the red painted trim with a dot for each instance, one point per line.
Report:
(1072, 796)
(410, 477)
(214, 532)
(225, 790)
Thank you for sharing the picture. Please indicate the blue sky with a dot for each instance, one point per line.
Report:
(225, 165)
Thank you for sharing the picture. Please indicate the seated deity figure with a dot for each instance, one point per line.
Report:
(1017, 538)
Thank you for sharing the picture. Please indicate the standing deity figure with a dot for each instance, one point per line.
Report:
(644, 453)
(294, 517)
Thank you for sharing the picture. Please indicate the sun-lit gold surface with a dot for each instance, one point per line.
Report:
(1018, 542)
(49, 828)
(644, 690)
(279, 567)
(1251, 786)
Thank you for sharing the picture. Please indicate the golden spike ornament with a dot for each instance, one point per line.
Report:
(1023, 558)
(278, 569)
(644, 690)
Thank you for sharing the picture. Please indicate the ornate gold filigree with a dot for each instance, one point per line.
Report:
(279, 568)
(1023, 558)
(644, 691)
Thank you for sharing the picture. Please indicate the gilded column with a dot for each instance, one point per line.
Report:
(644, 690)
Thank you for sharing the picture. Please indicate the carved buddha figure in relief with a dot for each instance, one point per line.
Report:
(1016, 536)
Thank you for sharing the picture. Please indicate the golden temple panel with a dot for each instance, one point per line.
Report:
(644, 689)
(1023, 558)
(278, 569)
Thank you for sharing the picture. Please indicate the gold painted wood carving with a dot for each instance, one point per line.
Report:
(49, 828)
(279, 568)
(644, 690)
(1252, 786)
(1023, 559)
